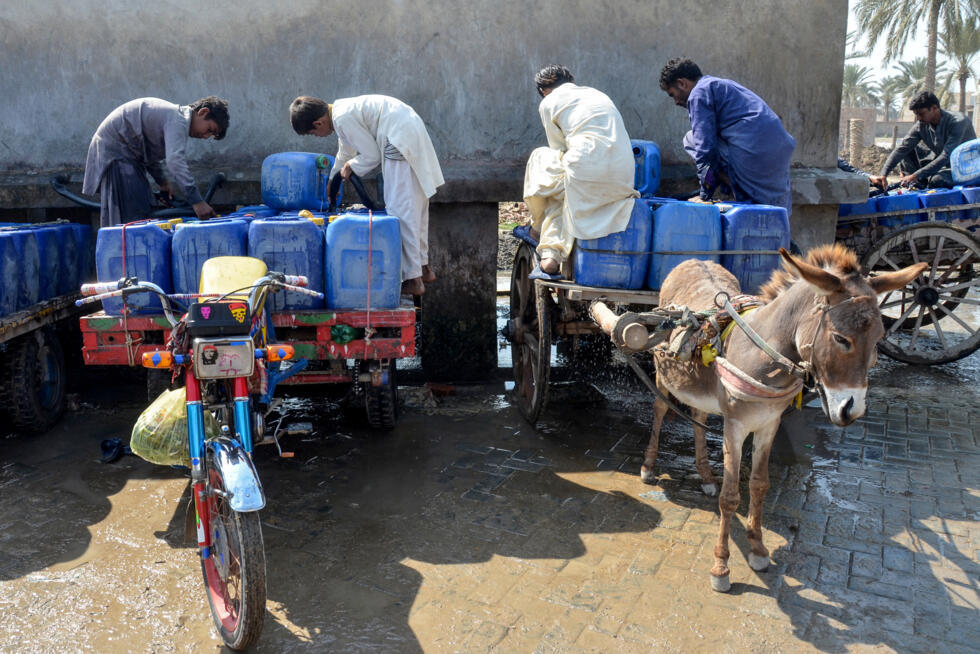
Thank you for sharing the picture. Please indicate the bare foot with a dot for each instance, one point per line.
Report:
(427, 275)
(550, 266)
(413, 286)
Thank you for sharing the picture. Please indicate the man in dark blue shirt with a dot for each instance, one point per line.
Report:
(735, 138)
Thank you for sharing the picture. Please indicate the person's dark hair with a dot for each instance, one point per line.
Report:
(923, 100)
(217, 111)
(676, 69)
(304, 110)
(552, 76)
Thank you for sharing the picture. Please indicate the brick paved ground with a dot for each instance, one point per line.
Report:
(465, 530)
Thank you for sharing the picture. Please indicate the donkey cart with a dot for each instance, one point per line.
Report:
(541, 313)
(933, 319)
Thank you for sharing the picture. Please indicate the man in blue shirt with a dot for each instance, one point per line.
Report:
(736, 140)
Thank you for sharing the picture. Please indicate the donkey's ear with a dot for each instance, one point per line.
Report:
(894, 280)
(823, 282)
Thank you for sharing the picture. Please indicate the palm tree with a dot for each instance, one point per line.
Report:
(851, 45)
(857, 84)
(911, 78)
(961, 43)
(897, 20)
(888, 89)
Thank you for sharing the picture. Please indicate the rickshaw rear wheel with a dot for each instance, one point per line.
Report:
(32, 381)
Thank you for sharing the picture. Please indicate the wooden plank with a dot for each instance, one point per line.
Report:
(39, 315)
(577, 292)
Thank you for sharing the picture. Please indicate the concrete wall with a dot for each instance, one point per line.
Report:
(465, 66)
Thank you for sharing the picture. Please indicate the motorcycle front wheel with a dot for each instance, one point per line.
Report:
(234, 573)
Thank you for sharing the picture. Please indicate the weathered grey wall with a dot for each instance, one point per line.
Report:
(465, 66)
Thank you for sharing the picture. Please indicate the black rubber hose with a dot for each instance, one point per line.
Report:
(58, 184)
(334, 189)
(183, 208)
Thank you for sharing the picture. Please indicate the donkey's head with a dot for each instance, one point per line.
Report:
(839, 337)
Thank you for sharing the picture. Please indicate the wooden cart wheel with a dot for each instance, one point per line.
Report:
(934, 318)
(530, 334)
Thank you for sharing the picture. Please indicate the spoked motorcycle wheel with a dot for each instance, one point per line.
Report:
(234, 573)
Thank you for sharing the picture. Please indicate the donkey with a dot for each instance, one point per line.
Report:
(821, 312)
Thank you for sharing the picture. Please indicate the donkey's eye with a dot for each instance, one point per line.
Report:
(842, 341)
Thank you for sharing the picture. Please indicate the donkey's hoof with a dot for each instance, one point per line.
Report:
(710, 489)
(721, 584)
(758, 563)
(648, 476)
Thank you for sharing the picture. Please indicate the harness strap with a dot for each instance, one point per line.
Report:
(780, 360)
(744, 387)
(653, 387)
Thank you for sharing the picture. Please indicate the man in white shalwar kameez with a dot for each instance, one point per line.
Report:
(375, 130)
(581, 185)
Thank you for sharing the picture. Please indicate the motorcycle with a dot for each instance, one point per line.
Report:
(220, 348)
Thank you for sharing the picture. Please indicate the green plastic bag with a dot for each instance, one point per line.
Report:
(160, 433)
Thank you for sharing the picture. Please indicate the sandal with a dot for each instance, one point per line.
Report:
(523, 232)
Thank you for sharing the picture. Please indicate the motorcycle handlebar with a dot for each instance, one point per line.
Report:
(98, 298)
(100, 288)
(98, 291)
(304, 291)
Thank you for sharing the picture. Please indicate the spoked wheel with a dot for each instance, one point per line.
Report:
(529, 330)
(381, 401)
(32, 381)
(234, 574)
(936, 317)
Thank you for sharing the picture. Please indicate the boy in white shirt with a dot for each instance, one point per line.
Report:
(380, 130)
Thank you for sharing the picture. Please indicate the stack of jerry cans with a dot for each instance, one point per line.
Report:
(147, 257)
(690, 229)
(646, 176)
(753, 227)
(943, 198)
(196, 242)
(294, 246)
(964, 162)
(349, 271)
(619, 260)
(899, 201)
(296, 180)
(19, 269)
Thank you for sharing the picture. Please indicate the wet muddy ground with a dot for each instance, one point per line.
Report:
(464, 529)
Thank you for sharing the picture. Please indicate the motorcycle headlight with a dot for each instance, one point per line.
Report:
(223, 358)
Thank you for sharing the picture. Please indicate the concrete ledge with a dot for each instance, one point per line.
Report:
(466, 181)
(821, 186)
